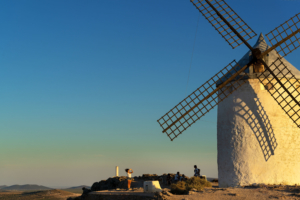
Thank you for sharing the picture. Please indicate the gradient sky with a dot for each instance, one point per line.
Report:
(83, 83)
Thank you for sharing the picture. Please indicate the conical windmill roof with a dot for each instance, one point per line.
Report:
(263, 46)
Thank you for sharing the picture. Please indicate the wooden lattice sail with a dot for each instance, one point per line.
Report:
(203, 99)
(216, 14)
(235, 31)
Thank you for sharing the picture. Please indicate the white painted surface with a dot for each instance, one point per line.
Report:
(152, 186)
(257, 141)
(117, 171)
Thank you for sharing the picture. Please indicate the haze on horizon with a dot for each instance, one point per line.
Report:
(84, 82)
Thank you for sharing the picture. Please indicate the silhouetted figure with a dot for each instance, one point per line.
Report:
(169, 179)
(177, 177)
(183, 178)
(196, 171)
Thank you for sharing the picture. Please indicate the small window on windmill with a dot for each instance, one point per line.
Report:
(269, 86)
(266, 59)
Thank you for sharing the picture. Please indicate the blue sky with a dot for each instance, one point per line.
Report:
(83, 82)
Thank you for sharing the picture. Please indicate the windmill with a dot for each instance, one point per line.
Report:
(258, 103)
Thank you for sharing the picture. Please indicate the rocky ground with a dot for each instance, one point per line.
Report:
(213, 193)
(121, 182)
(243, 193)
(116, 188)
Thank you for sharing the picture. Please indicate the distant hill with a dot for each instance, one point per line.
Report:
(26, 187)
(78, 187)
(3, 186)
(35, 195)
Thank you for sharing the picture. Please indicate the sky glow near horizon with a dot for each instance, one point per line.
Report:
(83, 83)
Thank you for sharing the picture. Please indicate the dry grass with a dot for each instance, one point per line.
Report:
(179, 188)
(35, 195)
(77, 191)
(183, 187)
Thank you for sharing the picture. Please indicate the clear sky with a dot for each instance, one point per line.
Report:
(83, 84)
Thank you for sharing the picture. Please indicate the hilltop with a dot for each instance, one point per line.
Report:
(25, 187)
(78, 187)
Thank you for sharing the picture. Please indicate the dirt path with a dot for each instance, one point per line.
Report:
(243, 193)
(237, 193)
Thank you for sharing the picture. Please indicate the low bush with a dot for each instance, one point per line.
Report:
(179, 188)
(183, 187)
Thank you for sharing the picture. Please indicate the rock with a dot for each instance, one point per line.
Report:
(193, 190)
(167, 193)
(110, 183)
(121, 182)
(150, 177)
(85, 192)
(95, 186)
(203, 177)
(160, 196)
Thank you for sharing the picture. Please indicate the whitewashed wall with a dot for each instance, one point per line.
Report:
(257, 141)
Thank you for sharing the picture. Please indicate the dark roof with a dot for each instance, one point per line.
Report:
(272, 56)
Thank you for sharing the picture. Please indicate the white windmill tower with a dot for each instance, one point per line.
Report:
(258, 133)
(257, 141)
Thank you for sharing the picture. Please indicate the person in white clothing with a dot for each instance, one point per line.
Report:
(129, 179)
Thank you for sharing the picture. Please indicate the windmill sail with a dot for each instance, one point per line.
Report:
(203, 99)
(235, 31)
(284, 88)
(214, 11)
(286, 37)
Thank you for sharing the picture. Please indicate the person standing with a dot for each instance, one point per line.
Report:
(129, 179)
(177, 177)
(183, 178)
(196, 171)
